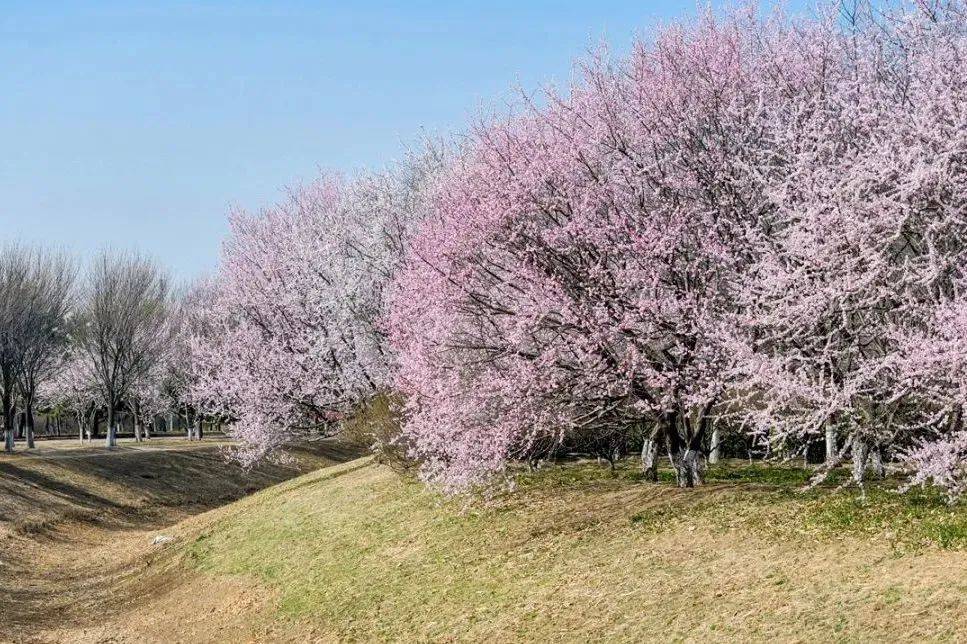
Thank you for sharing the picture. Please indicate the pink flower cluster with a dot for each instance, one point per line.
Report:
(286, 339)
(746, 221)
(751, 222)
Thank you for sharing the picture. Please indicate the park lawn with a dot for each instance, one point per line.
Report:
(577, 552)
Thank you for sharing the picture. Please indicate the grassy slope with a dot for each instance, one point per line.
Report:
(76, 531)
(577, 553)
(62, 481)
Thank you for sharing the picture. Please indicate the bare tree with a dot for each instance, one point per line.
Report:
(43, 336)
(125, 328)
(15, 264)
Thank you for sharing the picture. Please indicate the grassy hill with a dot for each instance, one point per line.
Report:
(151, 546)
(354, 552)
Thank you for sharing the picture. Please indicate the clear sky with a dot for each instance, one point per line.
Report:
(138, 124)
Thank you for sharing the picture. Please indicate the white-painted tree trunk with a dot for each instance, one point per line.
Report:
(876, 460)
(189, 428)
(649, 459)
(715, 453)
(830, 444)
(136, 423)
(112, 433)
(861, 452)
(29, 429)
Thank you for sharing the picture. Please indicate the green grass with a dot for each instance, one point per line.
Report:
(914, 521)
(579, 552)
(772, 499)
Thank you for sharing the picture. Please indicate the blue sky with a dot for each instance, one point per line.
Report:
(136, 125)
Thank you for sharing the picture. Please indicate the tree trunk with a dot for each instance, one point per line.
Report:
(830, 443)
(683, 459)
(689, 466)
(112, 436)
(200, 430)
(876, 457)
(8, 422)
(95, 431)
(9, 417)
(29, 418)
(92, 427)
(715, 451)
(136, 418)
(685, 449)
(649, 459)
(861, 452)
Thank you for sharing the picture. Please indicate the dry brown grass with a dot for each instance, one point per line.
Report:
(354, 552)
(369, 556)
(76, 528)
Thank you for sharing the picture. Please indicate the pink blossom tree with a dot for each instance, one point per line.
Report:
(581, 273)
(748, 220)
(933, 363)
(867, 232)
(741, 221)
(291, 339)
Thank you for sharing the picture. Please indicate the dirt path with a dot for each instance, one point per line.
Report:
(78, 557)
(91, 583)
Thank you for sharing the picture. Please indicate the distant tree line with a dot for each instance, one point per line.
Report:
(82, 349)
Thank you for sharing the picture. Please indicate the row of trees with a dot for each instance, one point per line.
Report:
(89, 348)
(749, 224)
(291, 337)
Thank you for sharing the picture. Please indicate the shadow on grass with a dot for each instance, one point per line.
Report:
(771, 498)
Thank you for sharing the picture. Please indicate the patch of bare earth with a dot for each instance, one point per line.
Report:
(132, 591)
